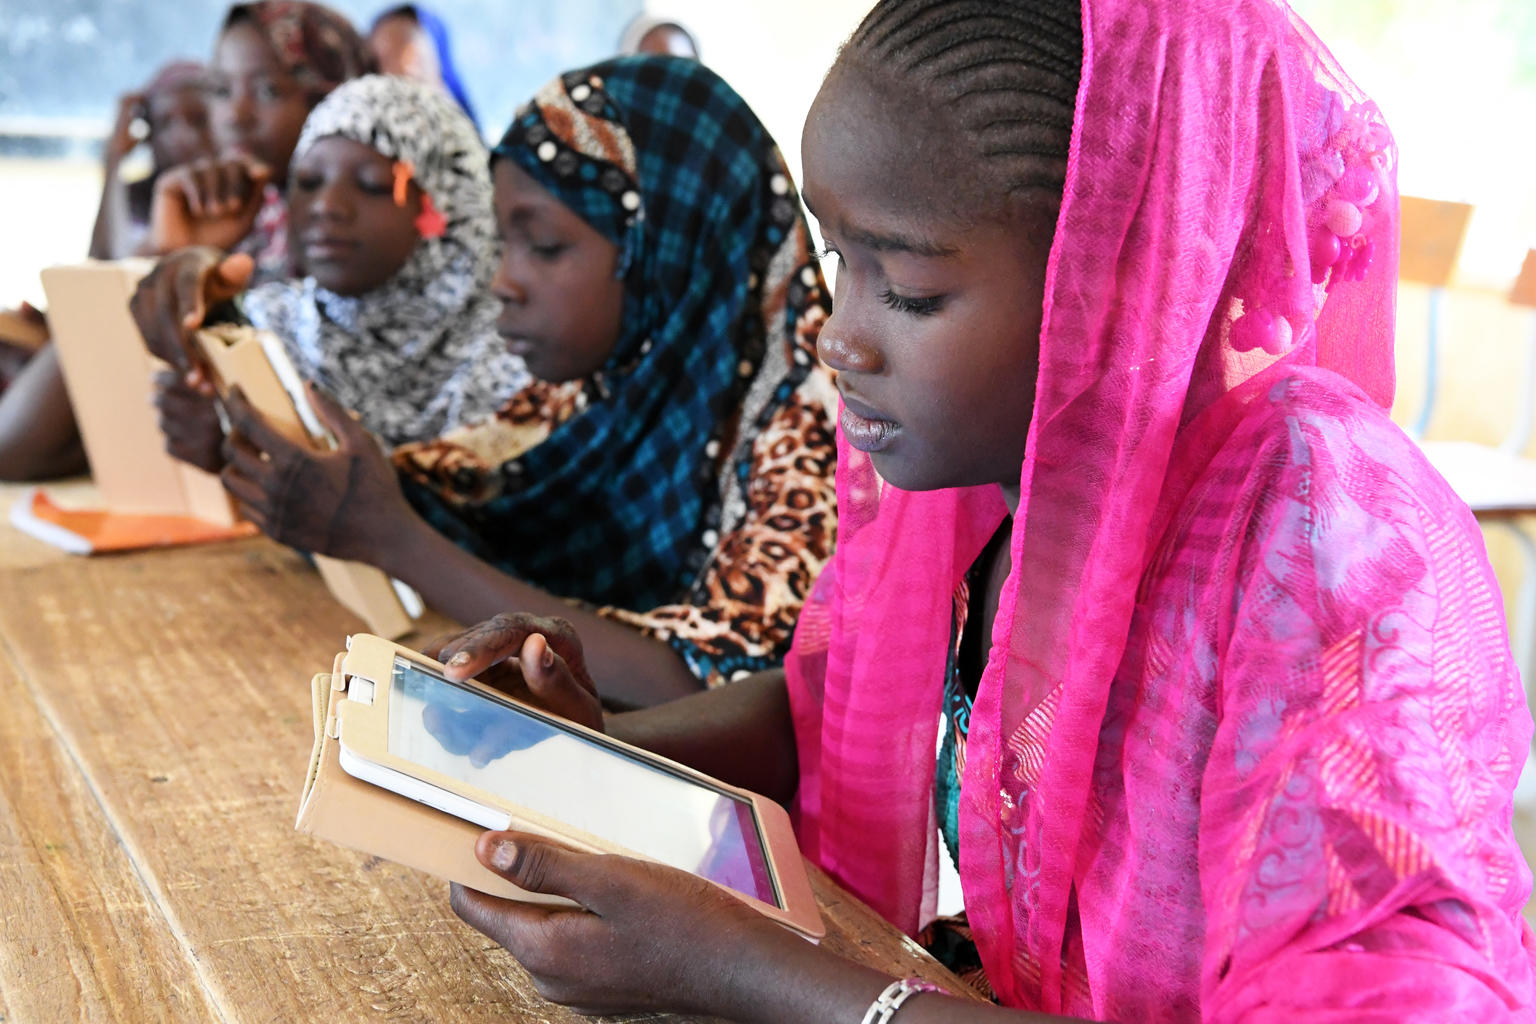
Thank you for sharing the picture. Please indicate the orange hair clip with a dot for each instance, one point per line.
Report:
(404, 172)
(430, 223)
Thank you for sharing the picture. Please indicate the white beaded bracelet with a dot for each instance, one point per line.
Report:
(897, 992)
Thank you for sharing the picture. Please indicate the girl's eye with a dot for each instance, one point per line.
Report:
(550, 252)
(822, 255)
(268, 93)
(923, 306)
(220, 91)
(306, 182)
(376, 188)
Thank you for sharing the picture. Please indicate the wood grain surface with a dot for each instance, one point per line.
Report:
(83, 939)
(149, 869)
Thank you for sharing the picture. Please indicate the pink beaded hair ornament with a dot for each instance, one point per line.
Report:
(1343, 181)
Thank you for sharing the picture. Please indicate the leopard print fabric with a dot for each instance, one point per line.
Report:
(685, 487)
(453, 466)
(741, 613)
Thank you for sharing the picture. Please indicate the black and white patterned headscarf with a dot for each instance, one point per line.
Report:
(420, 354)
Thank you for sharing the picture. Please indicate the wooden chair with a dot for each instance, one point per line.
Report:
(1497, 482)
(1432, 234)
(1500, 481)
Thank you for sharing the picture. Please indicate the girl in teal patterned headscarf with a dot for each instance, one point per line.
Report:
(633, 490)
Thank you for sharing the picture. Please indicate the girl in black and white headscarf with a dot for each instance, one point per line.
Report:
(411, 347)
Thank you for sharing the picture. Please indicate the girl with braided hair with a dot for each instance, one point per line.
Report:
(1231, 727)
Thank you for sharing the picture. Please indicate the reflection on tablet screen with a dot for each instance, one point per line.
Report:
(535, 764)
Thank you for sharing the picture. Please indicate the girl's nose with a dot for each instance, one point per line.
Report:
(506, 286)
(240, 110)
(847, 348)
(332, 201)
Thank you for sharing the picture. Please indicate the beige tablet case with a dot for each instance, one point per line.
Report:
(108, 371)
(237, 356)
(1523, 293)
(359, 815)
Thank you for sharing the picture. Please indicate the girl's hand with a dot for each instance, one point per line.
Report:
(208, 202)
(189, 421)
(537, 660)
(173, 299)
(647, 937)
(13, 359)
(345, 503)
(130, 108)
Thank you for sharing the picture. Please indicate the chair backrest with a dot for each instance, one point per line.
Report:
(1524, 291)
(1433, 231)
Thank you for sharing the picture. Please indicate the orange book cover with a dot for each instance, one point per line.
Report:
(97, 530)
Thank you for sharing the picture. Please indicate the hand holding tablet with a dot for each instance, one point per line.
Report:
(400, 724)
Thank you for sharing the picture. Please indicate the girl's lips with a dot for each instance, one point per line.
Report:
(519, 345)
(868, 434)
(324, 250)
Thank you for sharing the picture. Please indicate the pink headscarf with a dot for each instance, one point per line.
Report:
(1249, 700)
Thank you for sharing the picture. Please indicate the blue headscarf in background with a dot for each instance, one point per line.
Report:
(622, 503)
(437, 31)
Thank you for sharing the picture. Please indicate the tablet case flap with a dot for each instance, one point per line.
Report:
(364, 817)
(237, 356)
(107, 372)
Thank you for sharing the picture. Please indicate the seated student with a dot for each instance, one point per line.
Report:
(272, 62)
(659, 37)
(38, 436)
(671, 468)
(410, 40)
(389, 207)
(1120, 499)
(173, 107)
(21, 329)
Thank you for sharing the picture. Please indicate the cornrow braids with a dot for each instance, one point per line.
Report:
(1007, 69)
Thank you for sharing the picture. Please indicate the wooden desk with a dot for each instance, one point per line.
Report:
(19, 550)
(153, 744)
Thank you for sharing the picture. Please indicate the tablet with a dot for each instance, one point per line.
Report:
(472, 752)
(238, 354)
(107, 371)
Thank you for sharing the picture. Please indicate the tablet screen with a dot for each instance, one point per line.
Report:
(571, 777)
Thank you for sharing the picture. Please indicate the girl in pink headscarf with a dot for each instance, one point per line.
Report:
(1231, 722)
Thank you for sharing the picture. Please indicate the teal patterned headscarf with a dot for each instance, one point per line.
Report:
(665, 160)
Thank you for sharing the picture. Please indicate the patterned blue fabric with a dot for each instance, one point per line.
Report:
(957, 712)
(665, 160)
